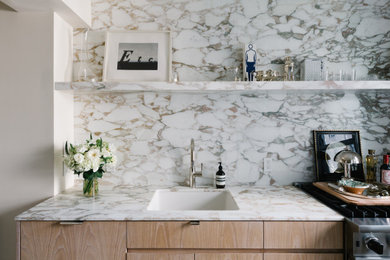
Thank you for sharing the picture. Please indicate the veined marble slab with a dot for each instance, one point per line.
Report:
(204, 86)
(152, 132)
(130, 203)
(208, 36)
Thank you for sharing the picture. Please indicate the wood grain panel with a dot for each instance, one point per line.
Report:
(160, 256)
(302, 256)
(307, 235)
(229, 256)
(89, 240)
(206, 235)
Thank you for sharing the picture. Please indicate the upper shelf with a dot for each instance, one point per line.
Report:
(217, 86)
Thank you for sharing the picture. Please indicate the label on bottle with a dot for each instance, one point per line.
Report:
(385, 174)
(220, 180)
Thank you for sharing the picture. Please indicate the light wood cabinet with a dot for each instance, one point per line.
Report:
(229, 256)
(302, 256)
(89, 240)
(160, 256)
(303, 235)
(207, 234)
(181, 240)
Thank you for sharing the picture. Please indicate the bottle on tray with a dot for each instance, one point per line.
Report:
(385, 170)
(371, 162)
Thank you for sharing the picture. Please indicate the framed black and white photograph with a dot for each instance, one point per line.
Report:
(327, 144)
(137, 56)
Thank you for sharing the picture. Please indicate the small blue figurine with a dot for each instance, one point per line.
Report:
(250, 61)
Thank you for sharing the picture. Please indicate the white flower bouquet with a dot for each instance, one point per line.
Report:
(91, 159)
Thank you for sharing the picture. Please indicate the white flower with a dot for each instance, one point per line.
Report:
(93, 154)
(86, 165)
(79, 158)
(95, 164)
(90, 156)
(106, 153)
(81, 148)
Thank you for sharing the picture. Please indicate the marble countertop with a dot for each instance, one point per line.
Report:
(130, 203)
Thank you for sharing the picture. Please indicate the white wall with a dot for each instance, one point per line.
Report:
(63, 102)
(26, 116)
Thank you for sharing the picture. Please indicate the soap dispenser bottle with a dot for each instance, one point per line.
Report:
(220, 177)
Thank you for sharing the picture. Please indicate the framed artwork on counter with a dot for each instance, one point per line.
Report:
(327, 144)
(132, 56)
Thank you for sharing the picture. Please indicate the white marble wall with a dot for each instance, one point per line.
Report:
(153, 130)
(208, 35)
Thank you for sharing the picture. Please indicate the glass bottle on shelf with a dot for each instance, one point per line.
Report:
(371, 163)
(84, 72)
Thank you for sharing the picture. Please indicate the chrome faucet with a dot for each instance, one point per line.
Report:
(193, 172)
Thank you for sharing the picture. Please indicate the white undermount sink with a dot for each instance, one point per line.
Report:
(192, 200)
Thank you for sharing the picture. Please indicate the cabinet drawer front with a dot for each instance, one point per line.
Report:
(159, 256)
(229, 256)
(182, 234)
(306, 235)
(302, 256)
(42, 240)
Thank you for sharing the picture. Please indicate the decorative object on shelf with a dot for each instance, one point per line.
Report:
(327, 145)
(84, 73)
(175, 77)
(91, 159)
(269, 75)
(137, 56)
(236, 74)
(250, 57)
(312, 70)
(288, 69)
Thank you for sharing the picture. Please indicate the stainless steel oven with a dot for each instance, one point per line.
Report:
(367, 238)
(367, 228)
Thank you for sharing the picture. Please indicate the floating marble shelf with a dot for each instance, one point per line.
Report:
(217, 86)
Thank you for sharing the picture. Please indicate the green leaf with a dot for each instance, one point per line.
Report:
(66, 148)
(90, 136)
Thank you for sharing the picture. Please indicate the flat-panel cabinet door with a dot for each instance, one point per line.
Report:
(229, 256)
(42, 240)
(160, 256)
(208, 234)
(304, 235)
(302, 256)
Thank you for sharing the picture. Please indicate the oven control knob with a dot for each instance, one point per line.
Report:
(373, 244)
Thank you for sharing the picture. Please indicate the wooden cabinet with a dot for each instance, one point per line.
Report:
(302, 256)
(193, 256)
(89, 240)
(303, 235)
(182, 240)
(160, 256)
(229, 256)
(207, 234)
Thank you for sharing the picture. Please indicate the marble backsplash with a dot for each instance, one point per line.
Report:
(152, 131)
(208, 35)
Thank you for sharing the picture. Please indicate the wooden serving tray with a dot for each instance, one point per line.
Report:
(353, 198)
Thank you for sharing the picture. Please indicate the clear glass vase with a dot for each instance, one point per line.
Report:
(91, 187)
(84, 72)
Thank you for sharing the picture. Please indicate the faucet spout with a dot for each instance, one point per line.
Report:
(193, 172)
(192, 154)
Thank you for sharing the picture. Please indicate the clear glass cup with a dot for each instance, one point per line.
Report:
(84, 72)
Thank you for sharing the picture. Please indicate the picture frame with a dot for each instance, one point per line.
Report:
(132, 56)
(327, 144)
